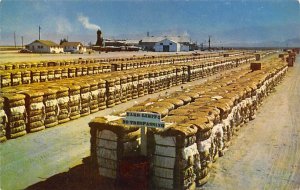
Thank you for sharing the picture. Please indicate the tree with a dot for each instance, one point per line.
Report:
(63, 40)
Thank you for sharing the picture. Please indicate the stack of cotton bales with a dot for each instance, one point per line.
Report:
(35, 76)
(129, 87)
(111, 140)
(3, 121)
(152, 83)
(51, 72)
(74, 101)
(51, 107)
(14, 106)
(5, 79)
(71, 72)
(78, 71)
(176, 157)
(57, 73)
(35, 110)
(26, 77)
(117, 90)
(135, 81)
(64, 72)
(94, 88)
(44, 75)
(63, 99)
(124, 86)
(16, 78)
(140, 87)
(102, 94)
(85, 99)
(110, 90)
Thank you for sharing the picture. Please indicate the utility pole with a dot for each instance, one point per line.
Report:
(22, 41)
(15, 39)
(209, 42)
(40, 32)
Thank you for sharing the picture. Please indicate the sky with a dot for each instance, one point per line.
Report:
(226, 21)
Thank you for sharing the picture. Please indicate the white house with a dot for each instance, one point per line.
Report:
(75, 47)
(167, 45)
(44, 46)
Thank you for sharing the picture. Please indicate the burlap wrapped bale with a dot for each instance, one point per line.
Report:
(176, 158)
(16, 78)
(35, 109)
(26, 77)
(110, 92)
(111, 140)
(63, 99)
(57, 74)
(102, 94)
(35, 76)
(204, 145)
(51, 72)
(64, 72)
(51, 107)
(117, 90)
(140, 86)
(175, 101)
(146, 83)
(3, 121)
(16, 114)
(5, 79)
(94, 88)
(44, 75)
(74, 101)
(135, 86)
(85, 99)
(124, 86)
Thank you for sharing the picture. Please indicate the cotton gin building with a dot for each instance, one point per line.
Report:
(167, 45)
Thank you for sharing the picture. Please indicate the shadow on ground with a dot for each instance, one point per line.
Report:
(81, 177)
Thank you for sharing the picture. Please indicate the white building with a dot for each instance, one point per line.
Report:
(75, 47)
(167, 45)
(44, 46)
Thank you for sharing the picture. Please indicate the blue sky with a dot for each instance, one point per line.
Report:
(227, 21)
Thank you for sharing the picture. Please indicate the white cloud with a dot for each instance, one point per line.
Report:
(86, 23)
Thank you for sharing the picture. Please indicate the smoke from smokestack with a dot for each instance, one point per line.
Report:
(84, 20)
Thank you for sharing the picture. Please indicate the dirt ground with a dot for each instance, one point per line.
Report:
(14, 56)
(266, 152)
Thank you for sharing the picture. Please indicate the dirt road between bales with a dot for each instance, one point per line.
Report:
(266, 152)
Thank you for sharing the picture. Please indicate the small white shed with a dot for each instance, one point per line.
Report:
(75, 47)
